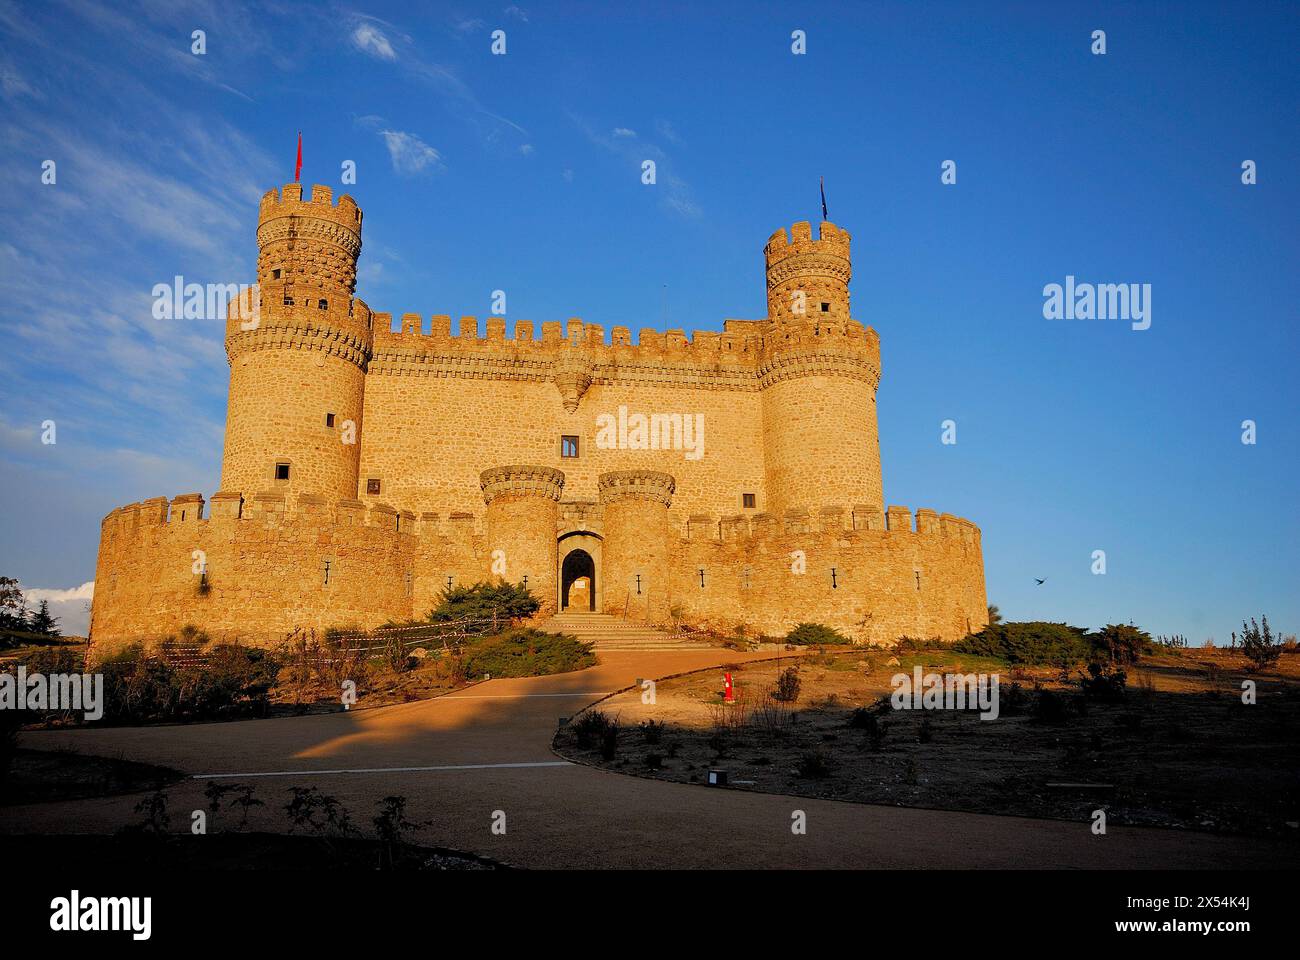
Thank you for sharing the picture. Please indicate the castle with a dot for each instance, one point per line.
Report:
(730, 479)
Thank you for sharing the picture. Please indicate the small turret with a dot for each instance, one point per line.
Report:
(807, 279)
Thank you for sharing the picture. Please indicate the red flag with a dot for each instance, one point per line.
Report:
(297, 168)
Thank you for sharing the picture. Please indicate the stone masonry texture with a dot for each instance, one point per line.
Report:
(728, 479)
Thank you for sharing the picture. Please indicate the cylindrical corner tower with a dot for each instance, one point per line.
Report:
(636, 552)
(819, 376)
(298, 351)
(523, 503)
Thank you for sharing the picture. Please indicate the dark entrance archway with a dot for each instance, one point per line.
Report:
(578, 581)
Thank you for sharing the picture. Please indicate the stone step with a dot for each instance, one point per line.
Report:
(607, 632)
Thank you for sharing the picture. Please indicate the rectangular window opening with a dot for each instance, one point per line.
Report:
(747, 500)
(282, 471)
(568, 447)
(372, 486)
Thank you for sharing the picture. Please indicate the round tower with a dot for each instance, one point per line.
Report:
(807, 279)
(637, 560)
(523, 504)
(819, 375)
(298, 346)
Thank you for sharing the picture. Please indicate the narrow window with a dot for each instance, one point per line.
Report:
(747, 501)
(282, 471)
(329, 419)
(275, 274)
(409, 577)
(325, 570)
(568, 447)
(918, 579)
(372, 486)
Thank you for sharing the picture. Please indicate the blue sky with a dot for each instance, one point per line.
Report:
(522, 172)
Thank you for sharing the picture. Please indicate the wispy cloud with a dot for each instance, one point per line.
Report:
(624, 142)
(518, 13)
(382, 41)
(410, 154)
(369, 38)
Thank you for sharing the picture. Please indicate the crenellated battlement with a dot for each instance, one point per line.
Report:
(320, 204)
(853, 524)
(833, 241)
(744, 354)
(276, 507)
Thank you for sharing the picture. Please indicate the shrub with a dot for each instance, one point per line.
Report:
(1029, 642)
(1259, 644)
(814, 765)
(1103, 684)
(787, 686)
(609, 740)
(868, 721)
(590, 728)
(235, 681)
(770, 716)
(53, 660)
(652, 731)
(1050, 707)
(816, 635)
(491, 602)
(525, 652)
(11, 722)
(1119, 643)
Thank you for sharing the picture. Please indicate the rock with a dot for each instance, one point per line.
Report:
(419, 653)
(892, 662)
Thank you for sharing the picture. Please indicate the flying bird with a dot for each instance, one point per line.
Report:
(1040, 582)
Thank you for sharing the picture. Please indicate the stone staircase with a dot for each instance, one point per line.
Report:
(611, 633)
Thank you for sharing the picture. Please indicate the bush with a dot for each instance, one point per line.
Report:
(1030, 642)
(1120, 643)
(787, 686)
(814, 765)
(589, 729)
(816, 635)
(868, 721)
(235, 681)
(1050, 707)
(1259, 644)
(525, 652)
(652, 731)
(499, 601)
(1103, 684)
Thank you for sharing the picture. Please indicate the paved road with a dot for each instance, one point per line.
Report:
(488, 749)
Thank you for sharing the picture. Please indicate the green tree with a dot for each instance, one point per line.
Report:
(13, 608)
(1259, 644)
(995, 615)
(1120, 643)
(43, 623)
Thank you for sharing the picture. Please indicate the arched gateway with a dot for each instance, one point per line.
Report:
(579, 559)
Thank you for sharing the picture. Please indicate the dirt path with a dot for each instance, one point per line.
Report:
(487, 749)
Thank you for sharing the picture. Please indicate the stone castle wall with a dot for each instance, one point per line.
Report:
(398, 444)
(264, 560)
